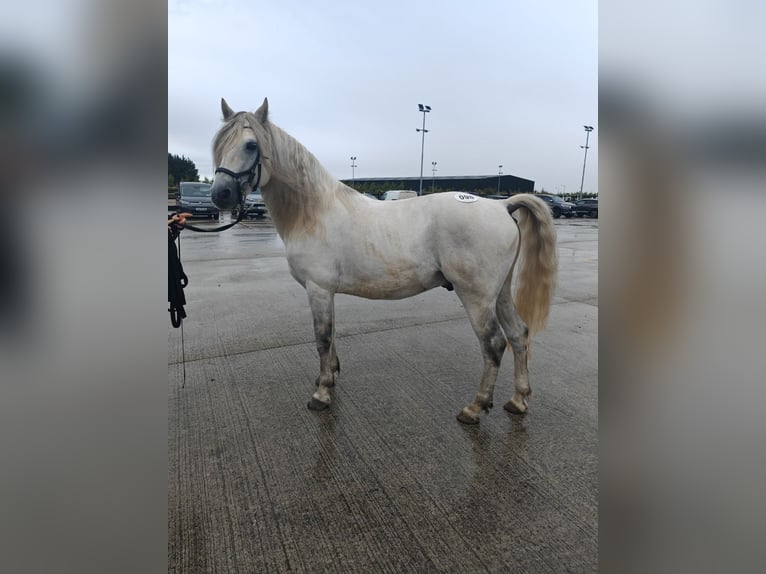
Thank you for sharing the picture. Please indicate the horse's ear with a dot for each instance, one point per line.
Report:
(262, 113)
(227, 111)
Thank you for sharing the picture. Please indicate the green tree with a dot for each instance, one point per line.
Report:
(181, 168)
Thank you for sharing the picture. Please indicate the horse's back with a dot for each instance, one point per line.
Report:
(454, 209)
(396, 249)
(435, 223)
(409, 246)
(466, 222)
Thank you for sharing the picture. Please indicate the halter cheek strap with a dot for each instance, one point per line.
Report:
(251, 180)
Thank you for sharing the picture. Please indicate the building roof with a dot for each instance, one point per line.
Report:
(506, 183)
(441, 178)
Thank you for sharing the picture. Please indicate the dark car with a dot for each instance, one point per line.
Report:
(254, 206)
(194, 197)
(585, 207)
(558, 206)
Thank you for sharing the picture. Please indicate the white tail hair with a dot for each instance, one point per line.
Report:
(539, 260)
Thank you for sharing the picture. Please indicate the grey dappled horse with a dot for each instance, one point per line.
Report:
(339, 241)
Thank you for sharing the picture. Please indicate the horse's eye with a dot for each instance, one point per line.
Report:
(251, 146)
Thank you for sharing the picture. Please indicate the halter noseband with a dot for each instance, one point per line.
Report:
(250, 173)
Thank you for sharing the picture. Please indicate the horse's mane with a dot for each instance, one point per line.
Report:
(224, 139)
(300, 188)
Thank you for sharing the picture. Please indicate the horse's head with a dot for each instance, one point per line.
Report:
(238, 153)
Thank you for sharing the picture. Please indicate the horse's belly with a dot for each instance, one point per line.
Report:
(398, 286)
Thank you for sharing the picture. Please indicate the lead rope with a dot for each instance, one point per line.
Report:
(183, 343)
(240, 215)
(177, 281)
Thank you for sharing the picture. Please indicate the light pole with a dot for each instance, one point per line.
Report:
(499, 173)
(425, 110)
(433, 175)
(588, 129)
(353, 165)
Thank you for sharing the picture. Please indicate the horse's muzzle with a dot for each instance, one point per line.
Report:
(226, 192)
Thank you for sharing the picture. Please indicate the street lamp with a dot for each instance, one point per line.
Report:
(425, 110)
(353, 165)
(499, 173)
(433, 175)
(588, 129)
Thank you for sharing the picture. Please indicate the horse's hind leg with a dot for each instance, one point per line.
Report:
(485, 325)
(518, 336)
(323, 311)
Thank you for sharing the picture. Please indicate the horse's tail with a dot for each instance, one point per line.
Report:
(538, 262)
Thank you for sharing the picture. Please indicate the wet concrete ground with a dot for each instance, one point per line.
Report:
(387, 480)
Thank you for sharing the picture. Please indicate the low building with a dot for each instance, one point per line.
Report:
(486, 184)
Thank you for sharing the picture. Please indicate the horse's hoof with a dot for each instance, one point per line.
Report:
(316, 405)
(511, 407)
(467, 419)
(486, 407)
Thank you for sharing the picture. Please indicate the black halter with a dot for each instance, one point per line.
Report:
(251, 180)
(250, 173)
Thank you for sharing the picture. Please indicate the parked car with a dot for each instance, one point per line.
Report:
(585, 207)
(194, 197)
(254, 206)
(393, 195)
(495, 196)
(558, 206)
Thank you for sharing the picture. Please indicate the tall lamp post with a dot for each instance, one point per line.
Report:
(499, 173)
(353, 165)
(588, 129)
(425, 110)
(433, 175)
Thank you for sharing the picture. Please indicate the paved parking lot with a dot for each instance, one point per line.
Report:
(387, 480)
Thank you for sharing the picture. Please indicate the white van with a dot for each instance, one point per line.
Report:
(399, 194)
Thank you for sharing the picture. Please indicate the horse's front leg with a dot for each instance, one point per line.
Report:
(323, 311)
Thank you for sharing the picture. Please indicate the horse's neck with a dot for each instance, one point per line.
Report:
(297, 168)
(300, 191)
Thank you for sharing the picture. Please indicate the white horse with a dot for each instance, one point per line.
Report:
(339, 241)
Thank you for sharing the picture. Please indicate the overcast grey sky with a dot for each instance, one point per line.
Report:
(510, 83)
